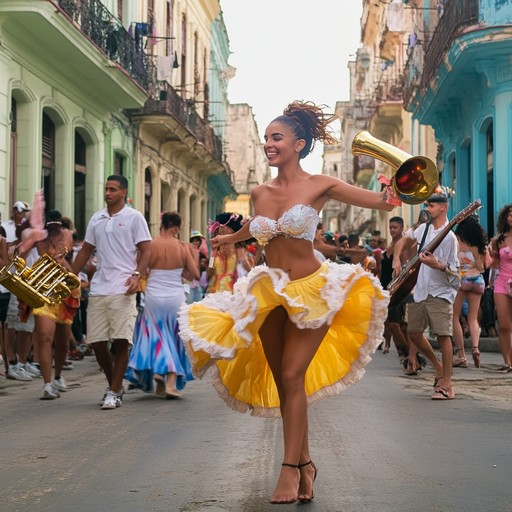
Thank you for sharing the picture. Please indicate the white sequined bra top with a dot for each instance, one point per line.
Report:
(300, 221)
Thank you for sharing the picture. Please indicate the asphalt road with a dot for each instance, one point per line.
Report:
(383, 445)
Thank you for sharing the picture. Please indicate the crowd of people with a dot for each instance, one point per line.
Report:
(272, 306)
(180, 274)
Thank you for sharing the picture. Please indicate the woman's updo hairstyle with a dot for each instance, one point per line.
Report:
(307, 121)
(171, 220)
(54, 223)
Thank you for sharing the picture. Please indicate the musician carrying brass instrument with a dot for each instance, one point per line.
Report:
(53, 321)
(435, 290)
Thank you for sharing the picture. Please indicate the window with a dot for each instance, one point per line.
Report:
(168, 28)
(147, 195)
(119, 164)
(197, 77)
(48, 161)
(183, 52)
(14, 154)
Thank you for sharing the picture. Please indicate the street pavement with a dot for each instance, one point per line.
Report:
(383, 445)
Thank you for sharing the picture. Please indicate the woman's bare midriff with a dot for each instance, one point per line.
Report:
(293, 255)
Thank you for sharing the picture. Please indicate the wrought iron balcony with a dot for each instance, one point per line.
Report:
(390, 89)
(184, 113)
(107, 33)
(411, 75)
(456, 16)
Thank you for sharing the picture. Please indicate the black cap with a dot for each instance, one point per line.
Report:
(438, 198)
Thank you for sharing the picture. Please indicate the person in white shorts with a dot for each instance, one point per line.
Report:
(121, 238)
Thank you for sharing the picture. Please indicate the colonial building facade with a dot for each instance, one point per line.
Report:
(245, 155)
(459, 82)
(61, 92)
(376, 104)
(132, 87)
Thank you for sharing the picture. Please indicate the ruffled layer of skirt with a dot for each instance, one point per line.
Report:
(157, 349)
(221, 332)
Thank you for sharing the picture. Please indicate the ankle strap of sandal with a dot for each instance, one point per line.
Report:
(304, 464)
(296, 466)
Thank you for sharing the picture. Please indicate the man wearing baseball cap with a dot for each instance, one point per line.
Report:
(434, 292)
(19, 212)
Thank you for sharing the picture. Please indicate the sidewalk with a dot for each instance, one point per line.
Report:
(86, 370)
(485, 345)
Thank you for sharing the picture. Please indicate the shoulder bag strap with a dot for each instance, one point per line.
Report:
(422, 243)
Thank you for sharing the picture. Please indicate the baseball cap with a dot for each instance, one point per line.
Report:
(21, 206)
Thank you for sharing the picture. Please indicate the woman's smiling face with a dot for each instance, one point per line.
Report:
(281, 144)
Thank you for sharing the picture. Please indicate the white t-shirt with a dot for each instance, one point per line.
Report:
(432, 281)
(115, 239)
(10, 230)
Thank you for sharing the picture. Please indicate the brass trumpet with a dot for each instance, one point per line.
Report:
(416, 177)
(46, 282)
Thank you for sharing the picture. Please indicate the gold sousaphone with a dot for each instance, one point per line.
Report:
(46, 282)
(416, 177)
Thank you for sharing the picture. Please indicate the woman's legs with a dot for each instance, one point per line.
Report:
(289, 351)
(504, 311)
(170, 386)
(458, 337)
(45, 329)
(61, 345)
(474, 325)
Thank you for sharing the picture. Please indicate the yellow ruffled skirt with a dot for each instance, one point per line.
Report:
(221, 332)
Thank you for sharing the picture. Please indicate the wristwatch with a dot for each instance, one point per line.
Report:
(136, 274)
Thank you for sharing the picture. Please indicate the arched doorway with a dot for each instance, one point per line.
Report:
(489, 147)
(80, 176)
(48, 162)
(147, 195)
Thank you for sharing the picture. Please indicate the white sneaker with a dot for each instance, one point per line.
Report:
(17, 372)
(31, 370)
(112, 401)
(107, 390)
(59, 384)
(49, 392)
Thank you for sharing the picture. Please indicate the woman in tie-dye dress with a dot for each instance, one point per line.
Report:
(158, 355)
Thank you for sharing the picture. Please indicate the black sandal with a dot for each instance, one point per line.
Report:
(307, 500)
(295, 466)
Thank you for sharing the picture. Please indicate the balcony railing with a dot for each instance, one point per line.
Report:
(184, 112)
(390, 89)
(107, 33)
(457, 15)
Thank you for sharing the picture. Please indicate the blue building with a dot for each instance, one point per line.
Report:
(458, 80)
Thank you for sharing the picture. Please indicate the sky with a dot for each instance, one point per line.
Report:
(285, 50)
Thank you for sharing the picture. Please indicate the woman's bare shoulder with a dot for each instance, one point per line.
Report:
(261, 188)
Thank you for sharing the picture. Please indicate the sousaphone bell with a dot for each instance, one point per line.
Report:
(415, 178)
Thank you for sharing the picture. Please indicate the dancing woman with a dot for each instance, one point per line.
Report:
(295, 330)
